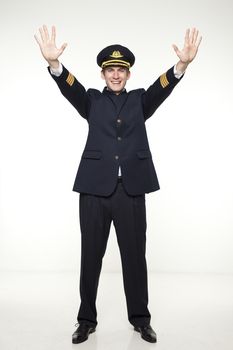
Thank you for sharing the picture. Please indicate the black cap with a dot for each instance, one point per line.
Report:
(115, 55)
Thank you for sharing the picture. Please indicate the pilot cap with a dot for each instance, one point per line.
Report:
(115, 55)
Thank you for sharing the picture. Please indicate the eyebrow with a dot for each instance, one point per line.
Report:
(119, 68)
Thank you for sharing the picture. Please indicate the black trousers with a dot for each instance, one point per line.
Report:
(128, 214)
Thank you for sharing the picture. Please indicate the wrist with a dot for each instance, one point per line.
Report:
(54, 64)
(181, 66)
(56, 71)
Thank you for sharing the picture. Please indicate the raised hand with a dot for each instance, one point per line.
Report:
(191, 44)
(48, 46)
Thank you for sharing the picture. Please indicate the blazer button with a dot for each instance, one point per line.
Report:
(118, 121)
(116, 157)
(119, 138)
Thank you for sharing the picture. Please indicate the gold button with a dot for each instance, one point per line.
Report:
(116, 157)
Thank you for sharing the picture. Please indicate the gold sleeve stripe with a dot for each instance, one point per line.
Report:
(163, 80)
(70, 79)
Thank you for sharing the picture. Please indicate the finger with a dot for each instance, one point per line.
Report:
(192, 35)
(62, 48)
(175, 49)
(53, 33)
(186, 39)
(46, 32)
(42, 34)
(37, 40)
(195, 36)
(199, 41)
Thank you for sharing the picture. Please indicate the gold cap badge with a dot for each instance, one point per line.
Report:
(116, 54)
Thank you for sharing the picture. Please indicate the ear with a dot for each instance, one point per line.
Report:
(128, 75)
(102, 74)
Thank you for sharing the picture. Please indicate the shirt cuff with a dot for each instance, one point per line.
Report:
(177, 74)
(56, 71)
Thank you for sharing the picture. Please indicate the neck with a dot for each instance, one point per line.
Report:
(117, 92)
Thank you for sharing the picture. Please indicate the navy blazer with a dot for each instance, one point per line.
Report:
(117, 134)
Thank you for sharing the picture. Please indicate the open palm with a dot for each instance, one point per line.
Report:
(47, 44)
(191, 44)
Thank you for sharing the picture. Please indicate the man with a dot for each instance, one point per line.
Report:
(115, 172)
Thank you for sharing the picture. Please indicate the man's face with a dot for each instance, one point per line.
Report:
(115, 78)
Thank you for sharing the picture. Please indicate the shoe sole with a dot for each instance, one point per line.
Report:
(74, 341)
(145, 338)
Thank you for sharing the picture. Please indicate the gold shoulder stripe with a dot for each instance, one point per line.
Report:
(70, 79)
(163, 80)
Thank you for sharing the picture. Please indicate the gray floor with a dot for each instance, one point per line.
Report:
(189, 311)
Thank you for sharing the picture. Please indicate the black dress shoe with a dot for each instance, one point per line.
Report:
(82, 332)
(147, 333)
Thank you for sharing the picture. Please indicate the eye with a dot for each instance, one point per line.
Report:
(123, 70)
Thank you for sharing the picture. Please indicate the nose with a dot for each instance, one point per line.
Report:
(115, 74)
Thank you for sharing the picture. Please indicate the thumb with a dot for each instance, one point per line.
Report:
(62, 48)
(175, 48)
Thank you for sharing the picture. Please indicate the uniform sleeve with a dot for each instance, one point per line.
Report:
(73, 91)
(158, 92)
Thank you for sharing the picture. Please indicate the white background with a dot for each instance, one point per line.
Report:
(190, 221)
